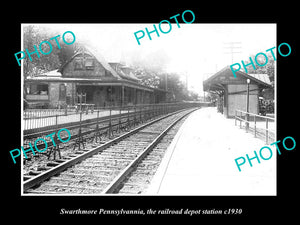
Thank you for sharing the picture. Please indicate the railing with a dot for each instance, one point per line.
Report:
(96, 126)
(37, 120)
(259, 125)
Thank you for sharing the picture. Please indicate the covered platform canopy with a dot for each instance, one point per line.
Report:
(232, 91)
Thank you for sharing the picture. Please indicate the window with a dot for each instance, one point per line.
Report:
(84, 63)
(78, 64)
(38, 89)
(89, 64)
(107, 73)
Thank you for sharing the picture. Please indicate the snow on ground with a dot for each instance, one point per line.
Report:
(203, 160)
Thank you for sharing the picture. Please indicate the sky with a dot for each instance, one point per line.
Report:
(195, 51)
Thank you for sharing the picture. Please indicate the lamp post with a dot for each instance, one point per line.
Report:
(247, 105)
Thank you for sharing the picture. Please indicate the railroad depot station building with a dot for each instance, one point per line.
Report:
(232, 91)
(87, 78)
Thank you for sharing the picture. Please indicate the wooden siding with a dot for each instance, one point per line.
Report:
(86, 71)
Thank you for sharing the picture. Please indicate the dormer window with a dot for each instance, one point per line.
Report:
(84, 64)
(89, 64)
(78, 64)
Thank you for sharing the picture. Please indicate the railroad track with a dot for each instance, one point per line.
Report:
(103, 169)
(87, 136)
(140, 176)
(88, 127)
(97, 128)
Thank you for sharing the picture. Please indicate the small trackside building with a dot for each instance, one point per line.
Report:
(87, 78)
(232, 92)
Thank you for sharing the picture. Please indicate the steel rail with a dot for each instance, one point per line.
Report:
(101, 129)
(113, 186)
(64, 165)
(89, 122)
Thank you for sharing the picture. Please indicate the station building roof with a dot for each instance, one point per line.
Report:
(120, 74)
(225, 76)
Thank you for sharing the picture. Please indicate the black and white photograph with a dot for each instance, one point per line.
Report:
(128, 112)
(105, 114)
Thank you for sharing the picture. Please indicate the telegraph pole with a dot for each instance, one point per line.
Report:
(232, 46)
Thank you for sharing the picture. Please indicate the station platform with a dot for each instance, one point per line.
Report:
(201, 160)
